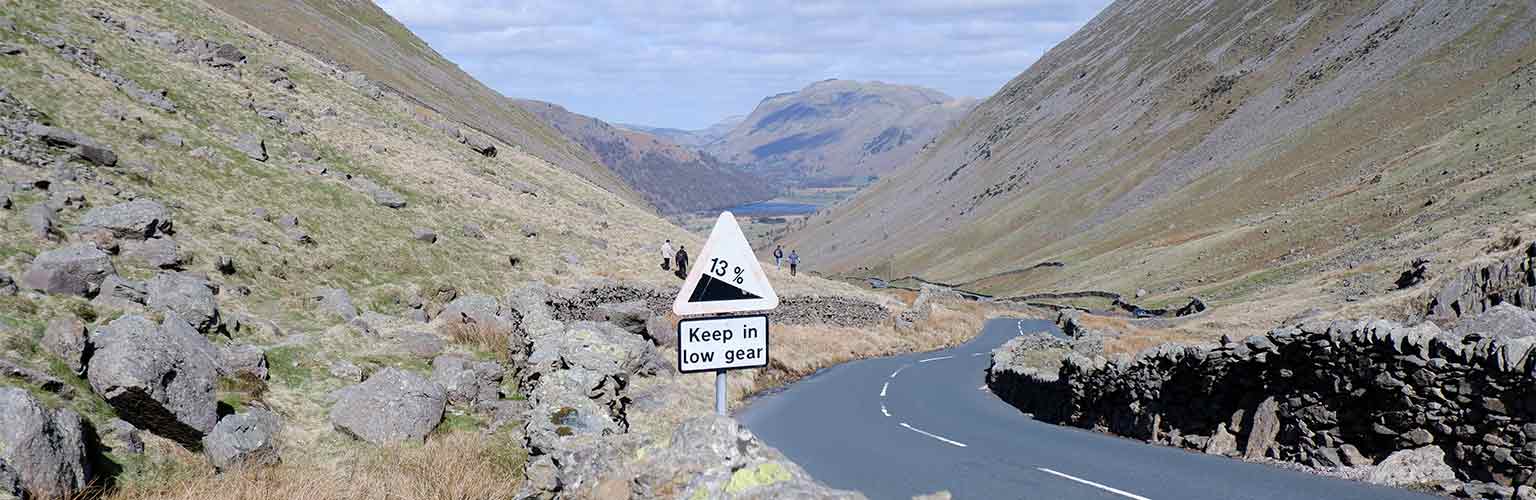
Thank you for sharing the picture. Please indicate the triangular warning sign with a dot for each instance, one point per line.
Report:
(726, 276)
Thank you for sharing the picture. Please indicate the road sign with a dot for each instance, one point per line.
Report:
(718, 344)
(726, 278)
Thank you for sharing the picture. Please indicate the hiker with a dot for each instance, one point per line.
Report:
(778, 254)
(794, 261)
(666, 256)
(682, 262)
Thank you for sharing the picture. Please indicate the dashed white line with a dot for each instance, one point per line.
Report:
(883, 411)
(1091, 483)
(974, 354)
(935, 359)
(935, 436)
(883, 388)
(898, 371)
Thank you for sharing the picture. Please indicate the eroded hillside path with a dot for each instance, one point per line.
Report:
(909, 425)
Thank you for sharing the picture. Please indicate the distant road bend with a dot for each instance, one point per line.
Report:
(897, 427)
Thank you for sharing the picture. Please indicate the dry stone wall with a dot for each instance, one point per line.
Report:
(1319, 393)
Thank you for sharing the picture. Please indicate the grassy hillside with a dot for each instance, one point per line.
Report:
(1280, 155)
(362, 37)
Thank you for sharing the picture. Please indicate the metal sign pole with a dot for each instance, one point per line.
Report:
(720, 393)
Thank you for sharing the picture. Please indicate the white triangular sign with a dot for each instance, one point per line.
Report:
(726, 277)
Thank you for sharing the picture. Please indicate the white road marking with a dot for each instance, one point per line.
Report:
(935, 436)
(1093, 484)
(883, 411)
(898, 371)
(978, 354)
(883, 388)
(935, 359)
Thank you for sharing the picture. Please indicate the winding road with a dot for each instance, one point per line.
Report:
(902, 426)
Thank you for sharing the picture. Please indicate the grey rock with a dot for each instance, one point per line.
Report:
(85, 148)
(153, 380)
(172, 138)
(44, 449)
(346, 370)
(424, 234)
(289, 221)
(1417, 467)
(1502, 320)
(1265, 428)
(420, 344)
(1222, 442)
(478, 309)
(631, 316)
(303, 151)
(245, 360)
(1352, 456)
(65, 338)
(252, 146)
(468, 382)
(117, 292)
(158, 253)
(135, 220)
(226, 265)
(472, 230)
(335, 301)
(188, 296)
(73, 270)
(7, 284)
(243, 440)
(706, 453)
(392, 406)
(481, 145)
(528, 230)
(43, 220)
(122, 437)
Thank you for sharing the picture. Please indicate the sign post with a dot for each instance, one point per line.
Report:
(727, 280)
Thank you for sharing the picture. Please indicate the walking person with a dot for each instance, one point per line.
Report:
(778, 254)
(682, 262)
(666, 256)
(794, 262)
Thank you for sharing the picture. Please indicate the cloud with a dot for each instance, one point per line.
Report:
(687, 64)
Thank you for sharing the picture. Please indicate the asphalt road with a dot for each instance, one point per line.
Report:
(897, 427)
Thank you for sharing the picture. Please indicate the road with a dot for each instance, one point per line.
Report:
(908, 425)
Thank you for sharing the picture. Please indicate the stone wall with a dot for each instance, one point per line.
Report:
(589, 302)
(1319, 393)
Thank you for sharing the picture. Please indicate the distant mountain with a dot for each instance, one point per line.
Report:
(674, 178)
(839, 129)
(692, 138)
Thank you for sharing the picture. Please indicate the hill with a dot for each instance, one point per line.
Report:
(673, 178)
(692, 138)
(839, 129)
(362, 37)
(1278, 154)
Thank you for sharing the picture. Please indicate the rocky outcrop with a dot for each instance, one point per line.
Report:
(714, 457)
(1313, 393)
(392, 406)
(1470, 292)
(158, 380)
(42, 450)
(468, 382)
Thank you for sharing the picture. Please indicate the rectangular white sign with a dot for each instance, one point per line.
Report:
(722, 343)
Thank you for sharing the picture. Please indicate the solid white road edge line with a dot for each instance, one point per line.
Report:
(935, 359)
(1093, 484)
(935, 436)
(883, 388)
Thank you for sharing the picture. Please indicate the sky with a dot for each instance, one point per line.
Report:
(689, 64)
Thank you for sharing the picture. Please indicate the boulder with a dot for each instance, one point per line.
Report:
(1222, 442)
(631, 316)
(387, 198)
(1264, 429)
(715, 457)
(346, 370)
(83, 147)
(121, 437)
(303, 151)
(43, 220)
(139, 219)
(468, 382)
(477, 309)
(119, 293)
(243, 440)
(1503, 320)
(392, 406)
(42, 449)
(7, 284)
(188, 296)
(1417, 468)
(154, 380)
(158, 253)
(245, 361)
(73, 270)
(252, 146)
(335, 301)
(424, 234)
(480, 145)
(474, 231)
(65, 339)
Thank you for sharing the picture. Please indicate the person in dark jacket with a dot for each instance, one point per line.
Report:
(778, 256)
(682, 262)
(794, 262)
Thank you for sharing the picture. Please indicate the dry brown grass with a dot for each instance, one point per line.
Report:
(462, 466)
(488, 338)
